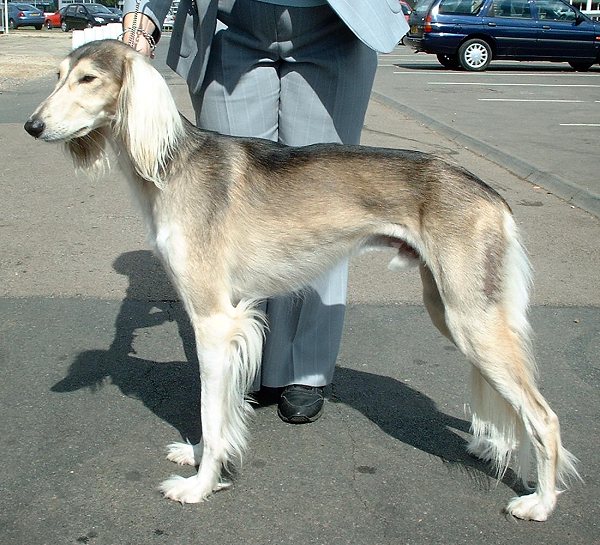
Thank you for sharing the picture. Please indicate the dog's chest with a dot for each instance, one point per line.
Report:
(169, 244)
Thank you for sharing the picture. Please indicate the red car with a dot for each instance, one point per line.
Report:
(53, 20)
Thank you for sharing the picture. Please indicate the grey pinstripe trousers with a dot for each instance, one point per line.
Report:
(298, 76)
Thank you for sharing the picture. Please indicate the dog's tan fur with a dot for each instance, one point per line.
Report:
(236, 220)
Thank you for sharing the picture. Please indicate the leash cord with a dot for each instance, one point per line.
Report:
(133, 36)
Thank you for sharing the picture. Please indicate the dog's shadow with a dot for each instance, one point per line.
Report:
(172, 390)
(169, 389)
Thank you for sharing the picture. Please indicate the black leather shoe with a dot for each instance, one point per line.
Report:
(301, 404)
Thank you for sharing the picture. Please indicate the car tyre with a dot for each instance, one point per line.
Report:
(448, 61)
(38, 27)
(11, 24)
(64, 26)
(581, 66)
(48, 25)
(475, 55)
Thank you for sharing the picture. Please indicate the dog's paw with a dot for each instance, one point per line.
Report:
(183, 490)
(532, 507)
(184, 454)
(189, 490)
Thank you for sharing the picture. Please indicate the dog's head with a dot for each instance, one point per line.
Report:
(86, 94)
(105, 89)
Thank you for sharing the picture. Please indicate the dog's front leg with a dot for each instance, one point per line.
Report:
(229, 352)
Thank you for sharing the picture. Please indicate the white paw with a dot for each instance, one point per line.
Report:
(183, 490)
(189, 490)
(531, 507)
(184, 454)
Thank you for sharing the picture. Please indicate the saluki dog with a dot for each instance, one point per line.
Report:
(236, 220)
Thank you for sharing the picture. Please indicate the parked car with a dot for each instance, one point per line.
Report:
(472, 33)
(116, 10)
(78, 16)
(54, 19)
(24, 15)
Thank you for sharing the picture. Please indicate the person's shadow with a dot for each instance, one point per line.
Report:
(171, 390)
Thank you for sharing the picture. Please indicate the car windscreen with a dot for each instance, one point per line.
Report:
(26, 7)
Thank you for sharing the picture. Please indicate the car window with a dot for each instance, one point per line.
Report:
(71, 10)
(511, 8)
(555, 10)
(97, 8)
(460, 7)
(423, 7)
(81, 9)
(26, 7)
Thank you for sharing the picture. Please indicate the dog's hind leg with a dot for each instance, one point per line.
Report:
(506, 399)
(485, 314)
(229, 352)
(494, 421)
(433, 301)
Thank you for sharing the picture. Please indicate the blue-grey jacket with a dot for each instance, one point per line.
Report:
(380, 24)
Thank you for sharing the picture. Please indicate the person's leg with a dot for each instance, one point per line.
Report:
(241, 89)
(326, 80)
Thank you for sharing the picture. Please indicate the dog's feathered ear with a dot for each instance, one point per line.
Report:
(147, 118)
(89, 152)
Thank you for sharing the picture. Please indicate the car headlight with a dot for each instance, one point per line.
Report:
(99, 19)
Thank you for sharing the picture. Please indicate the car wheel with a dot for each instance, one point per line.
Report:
(581, 66)
(475, 55)
(64, 27)
(448, 61)
(11, 24)
(48, 25)
(90, 25)
(38, 27)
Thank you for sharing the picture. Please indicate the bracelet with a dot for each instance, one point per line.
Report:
(145, 34)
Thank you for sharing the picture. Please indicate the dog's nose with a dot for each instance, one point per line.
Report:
(35, 127)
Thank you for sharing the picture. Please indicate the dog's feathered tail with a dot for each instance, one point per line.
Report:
(497, 428)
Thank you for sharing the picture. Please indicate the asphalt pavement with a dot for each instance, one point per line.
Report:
(99, 375)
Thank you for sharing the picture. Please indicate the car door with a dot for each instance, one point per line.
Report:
(513, 27)
(565, 32)
(81, 17)
(69, 16)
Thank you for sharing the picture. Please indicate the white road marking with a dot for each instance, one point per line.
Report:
(479, 83)
(527, 100)
(497, 74)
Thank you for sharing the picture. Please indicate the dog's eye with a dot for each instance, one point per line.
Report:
(87, 79)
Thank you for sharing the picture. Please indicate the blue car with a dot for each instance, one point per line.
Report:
(472, 33)
(24, 15)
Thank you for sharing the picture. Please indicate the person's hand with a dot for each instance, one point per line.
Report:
(141, 40)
